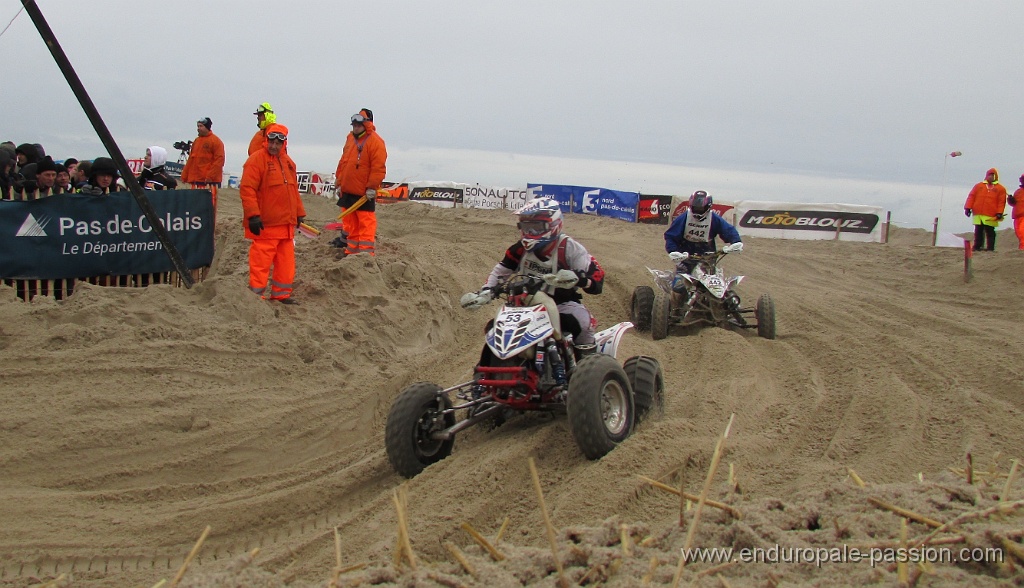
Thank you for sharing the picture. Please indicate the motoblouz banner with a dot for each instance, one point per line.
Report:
(77, 236)
(442, 194)
(788, 220)
(585, 200)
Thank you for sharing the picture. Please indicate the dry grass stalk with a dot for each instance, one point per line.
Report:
(1010, 479)
(651, 567)
(337, 559)
(54, 583)
(483, 542)
(403, 526)
(445, 581)
(686, 495)
(725, 583)
(461, 558)
(856, 478)
(501, 531)
(716, 569)
(951, 540)
(160, 584)
(1002, 508)
(191, 554)
(902, 576)
(970, 469)
(715, 458)
(1013, 548)
(562, 581)
(908, 514)
(625, 540)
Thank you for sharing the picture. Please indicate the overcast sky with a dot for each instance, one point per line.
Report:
(804, 100)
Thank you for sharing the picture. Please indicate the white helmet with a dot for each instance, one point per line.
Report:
(540, 223)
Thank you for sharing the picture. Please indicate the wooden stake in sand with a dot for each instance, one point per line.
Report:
(403, 527)
(501, 531)
(907, 514)
(1010, 479)
(715, 458)
(483, 542)
(191, 554)
(856, 478)
(562, 581)
(461, 558)
(687, 496)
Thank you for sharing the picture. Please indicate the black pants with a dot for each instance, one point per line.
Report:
(983, 233)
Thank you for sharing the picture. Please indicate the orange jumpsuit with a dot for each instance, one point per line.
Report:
(1018, 215)
(205, 166)
(258, 141)
(362, 167)
(269, 189)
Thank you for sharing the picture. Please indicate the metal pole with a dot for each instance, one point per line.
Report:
(107, 139)
(942, 194)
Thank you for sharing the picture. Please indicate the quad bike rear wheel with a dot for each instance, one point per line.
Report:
(416, 413)
(640, 308)
(765, 312)
(648, 382)
(660, 315)
(600, 405)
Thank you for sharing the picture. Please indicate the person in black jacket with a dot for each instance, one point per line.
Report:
(153, 176)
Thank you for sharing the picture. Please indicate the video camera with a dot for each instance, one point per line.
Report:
(184, 146)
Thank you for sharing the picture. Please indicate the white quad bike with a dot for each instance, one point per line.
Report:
(528, 364)
(703, 296)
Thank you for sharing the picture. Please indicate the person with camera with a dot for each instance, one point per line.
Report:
(360, 172)
(204, 169)
(272, 210)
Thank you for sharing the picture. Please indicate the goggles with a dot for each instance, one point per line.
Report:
(358, 118)
(277, 137)
(534, 228)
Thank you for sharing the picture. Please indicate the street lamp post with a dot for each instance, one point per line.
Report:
(942, 194)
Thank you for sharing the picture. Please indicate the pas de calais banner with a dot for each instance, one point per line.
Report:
(587, 200)
(76, 236)
(789, 220)
(494, 198)
(654, 210)
(441, 194)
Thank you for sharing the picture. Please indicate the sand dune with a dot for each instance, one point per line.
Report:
(134, 418)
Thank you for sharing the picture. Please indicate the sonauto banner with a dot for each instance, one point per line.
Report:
(586, 200)
(493, 197)
(789, 220)
(74, 235)
(442, 194)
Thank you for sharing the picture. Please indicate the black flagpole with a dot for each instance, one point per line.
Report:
(108, 141)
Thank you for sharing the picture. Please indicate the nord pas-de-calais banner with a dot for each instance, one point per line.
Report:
(790, 220)
(441, 194)
(76, 236)
(588, 200)
(654, 209)
(493, 197)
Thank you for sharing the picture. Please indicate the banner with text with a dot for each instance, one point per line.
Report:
(588, 200)
(493, 197)
(790, 220)
(441, 194)
(654, 209)
(74, 235)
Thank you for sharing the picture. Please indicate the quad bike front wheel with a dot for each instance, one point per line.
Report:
(648, 382)
(416, 414)
(600, 405)
(640, 308)
(660, 315)
(765, 312)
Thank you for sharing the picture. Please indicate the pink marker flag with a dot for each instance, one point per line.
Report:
(955, 154)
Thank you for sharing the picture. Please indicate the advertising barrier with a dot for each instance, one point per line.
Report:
(590, 200)
(492, 197)
(790, 220)
(441, 194)
(654, 209)
(74, 235)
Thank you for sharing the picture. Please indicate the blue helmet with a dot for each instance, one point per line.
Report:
(540, 223)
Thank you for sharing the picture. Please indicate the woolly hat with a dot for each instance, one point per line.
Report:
(46, 164)
(206, 122)
(103, 165)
